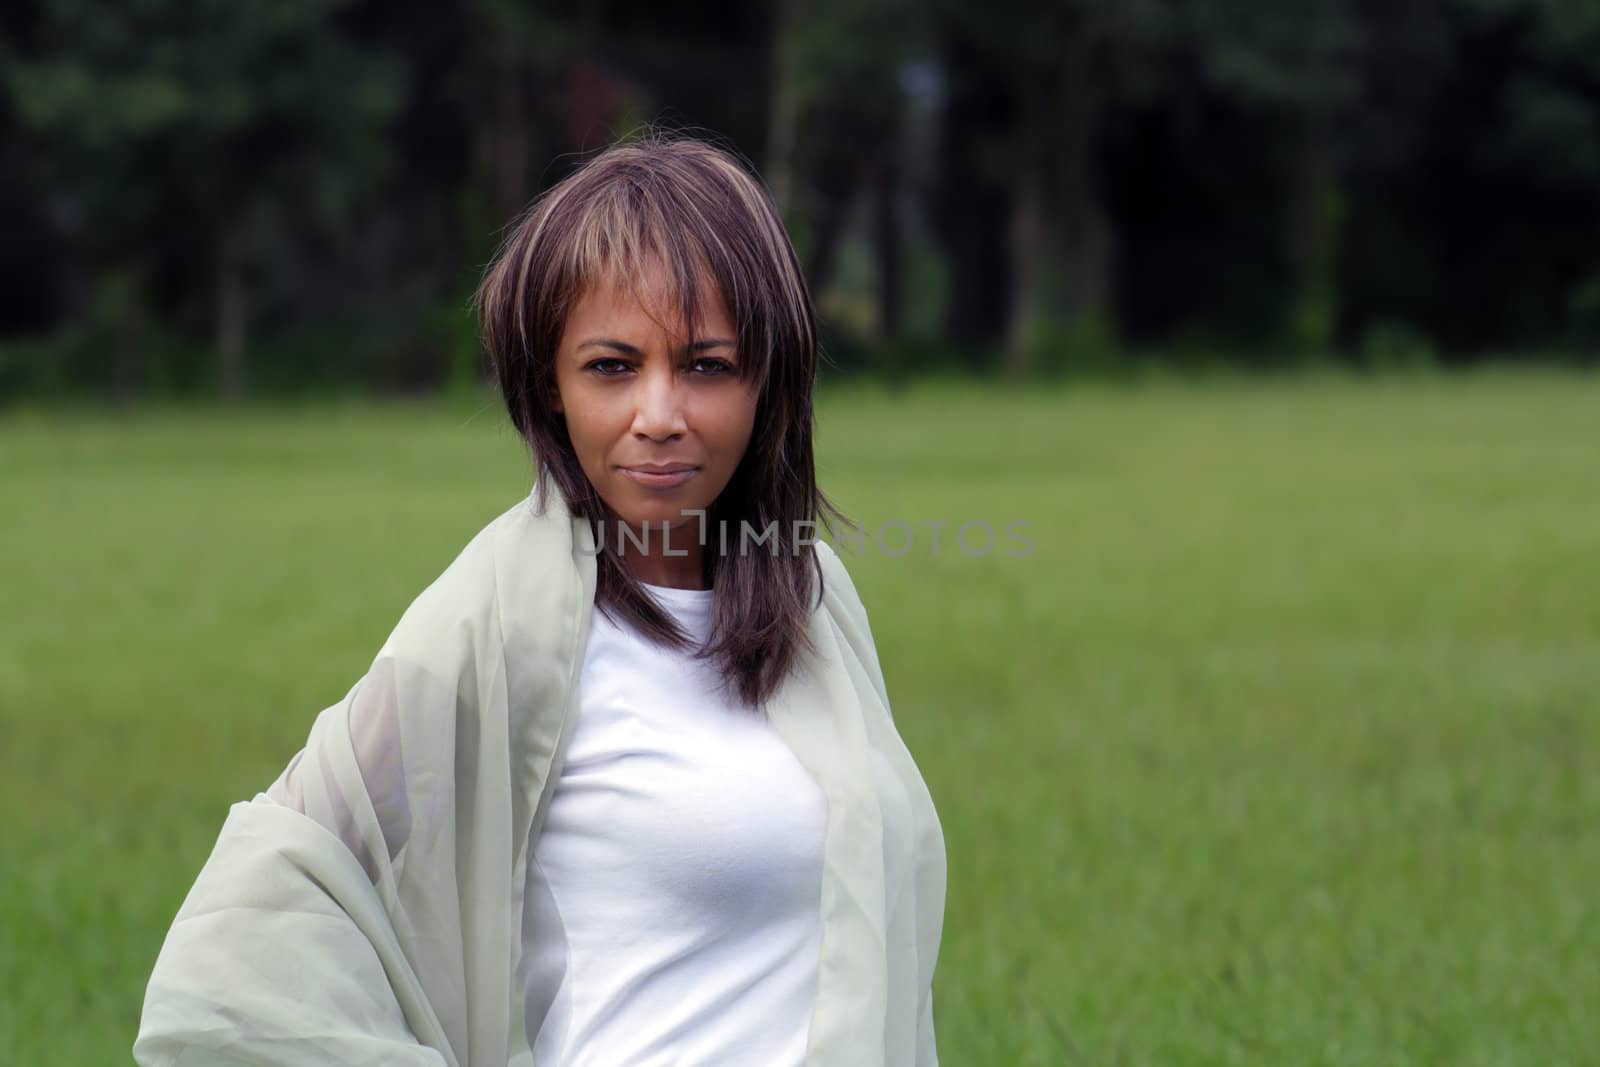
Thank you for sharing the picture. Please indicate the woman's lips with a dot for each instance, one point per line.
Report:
(669, 478)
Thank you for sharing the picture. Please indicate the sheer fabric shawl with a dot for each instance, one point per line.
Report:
(367, 908)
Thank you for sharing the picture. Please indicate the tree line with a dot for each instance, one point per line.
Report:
(200, 195)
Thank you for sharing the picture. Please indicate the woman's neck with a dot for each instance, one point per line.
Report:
(670, 557)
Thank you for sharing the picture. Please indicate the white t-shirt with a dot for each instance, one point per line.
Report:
(678, 875)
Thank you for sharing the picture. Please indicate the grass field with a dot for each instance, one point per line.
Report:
(1281, 747)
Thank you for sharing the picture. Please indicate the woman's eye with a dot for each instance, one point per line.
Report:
(607, 368)
(710, 366)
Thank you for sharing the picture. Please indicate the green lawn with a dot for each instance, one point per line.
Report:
(1281, 747)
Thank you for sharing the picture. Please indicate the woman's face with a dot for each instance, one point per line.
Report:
(659, 420)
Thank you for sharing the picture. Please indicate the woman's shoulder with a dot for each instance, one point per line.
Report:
(843, 605)
(838, 590)
(507, 568)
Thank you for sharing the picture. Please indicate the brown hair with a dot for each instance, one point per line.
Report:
(694, 209)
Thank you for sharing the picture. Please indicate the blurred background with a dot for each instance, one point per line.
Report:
(204, 199)
(1277, 326)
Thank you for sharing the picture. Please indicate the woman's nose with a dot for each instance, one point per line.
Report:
(658, 413)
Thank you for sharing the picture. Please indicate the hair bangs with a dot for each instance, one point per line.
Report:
(692, 215)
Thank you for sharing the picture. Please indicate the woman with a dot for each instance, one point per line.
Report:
(622, 787)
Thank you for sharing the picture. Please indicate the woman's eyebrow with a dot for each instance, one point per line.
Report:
(633, 350)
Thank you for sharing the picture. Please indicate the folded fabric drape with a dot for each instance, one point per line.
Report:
(366, 908)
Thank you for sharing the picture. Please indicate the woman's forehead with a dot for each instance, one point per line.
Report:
(651, 290)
